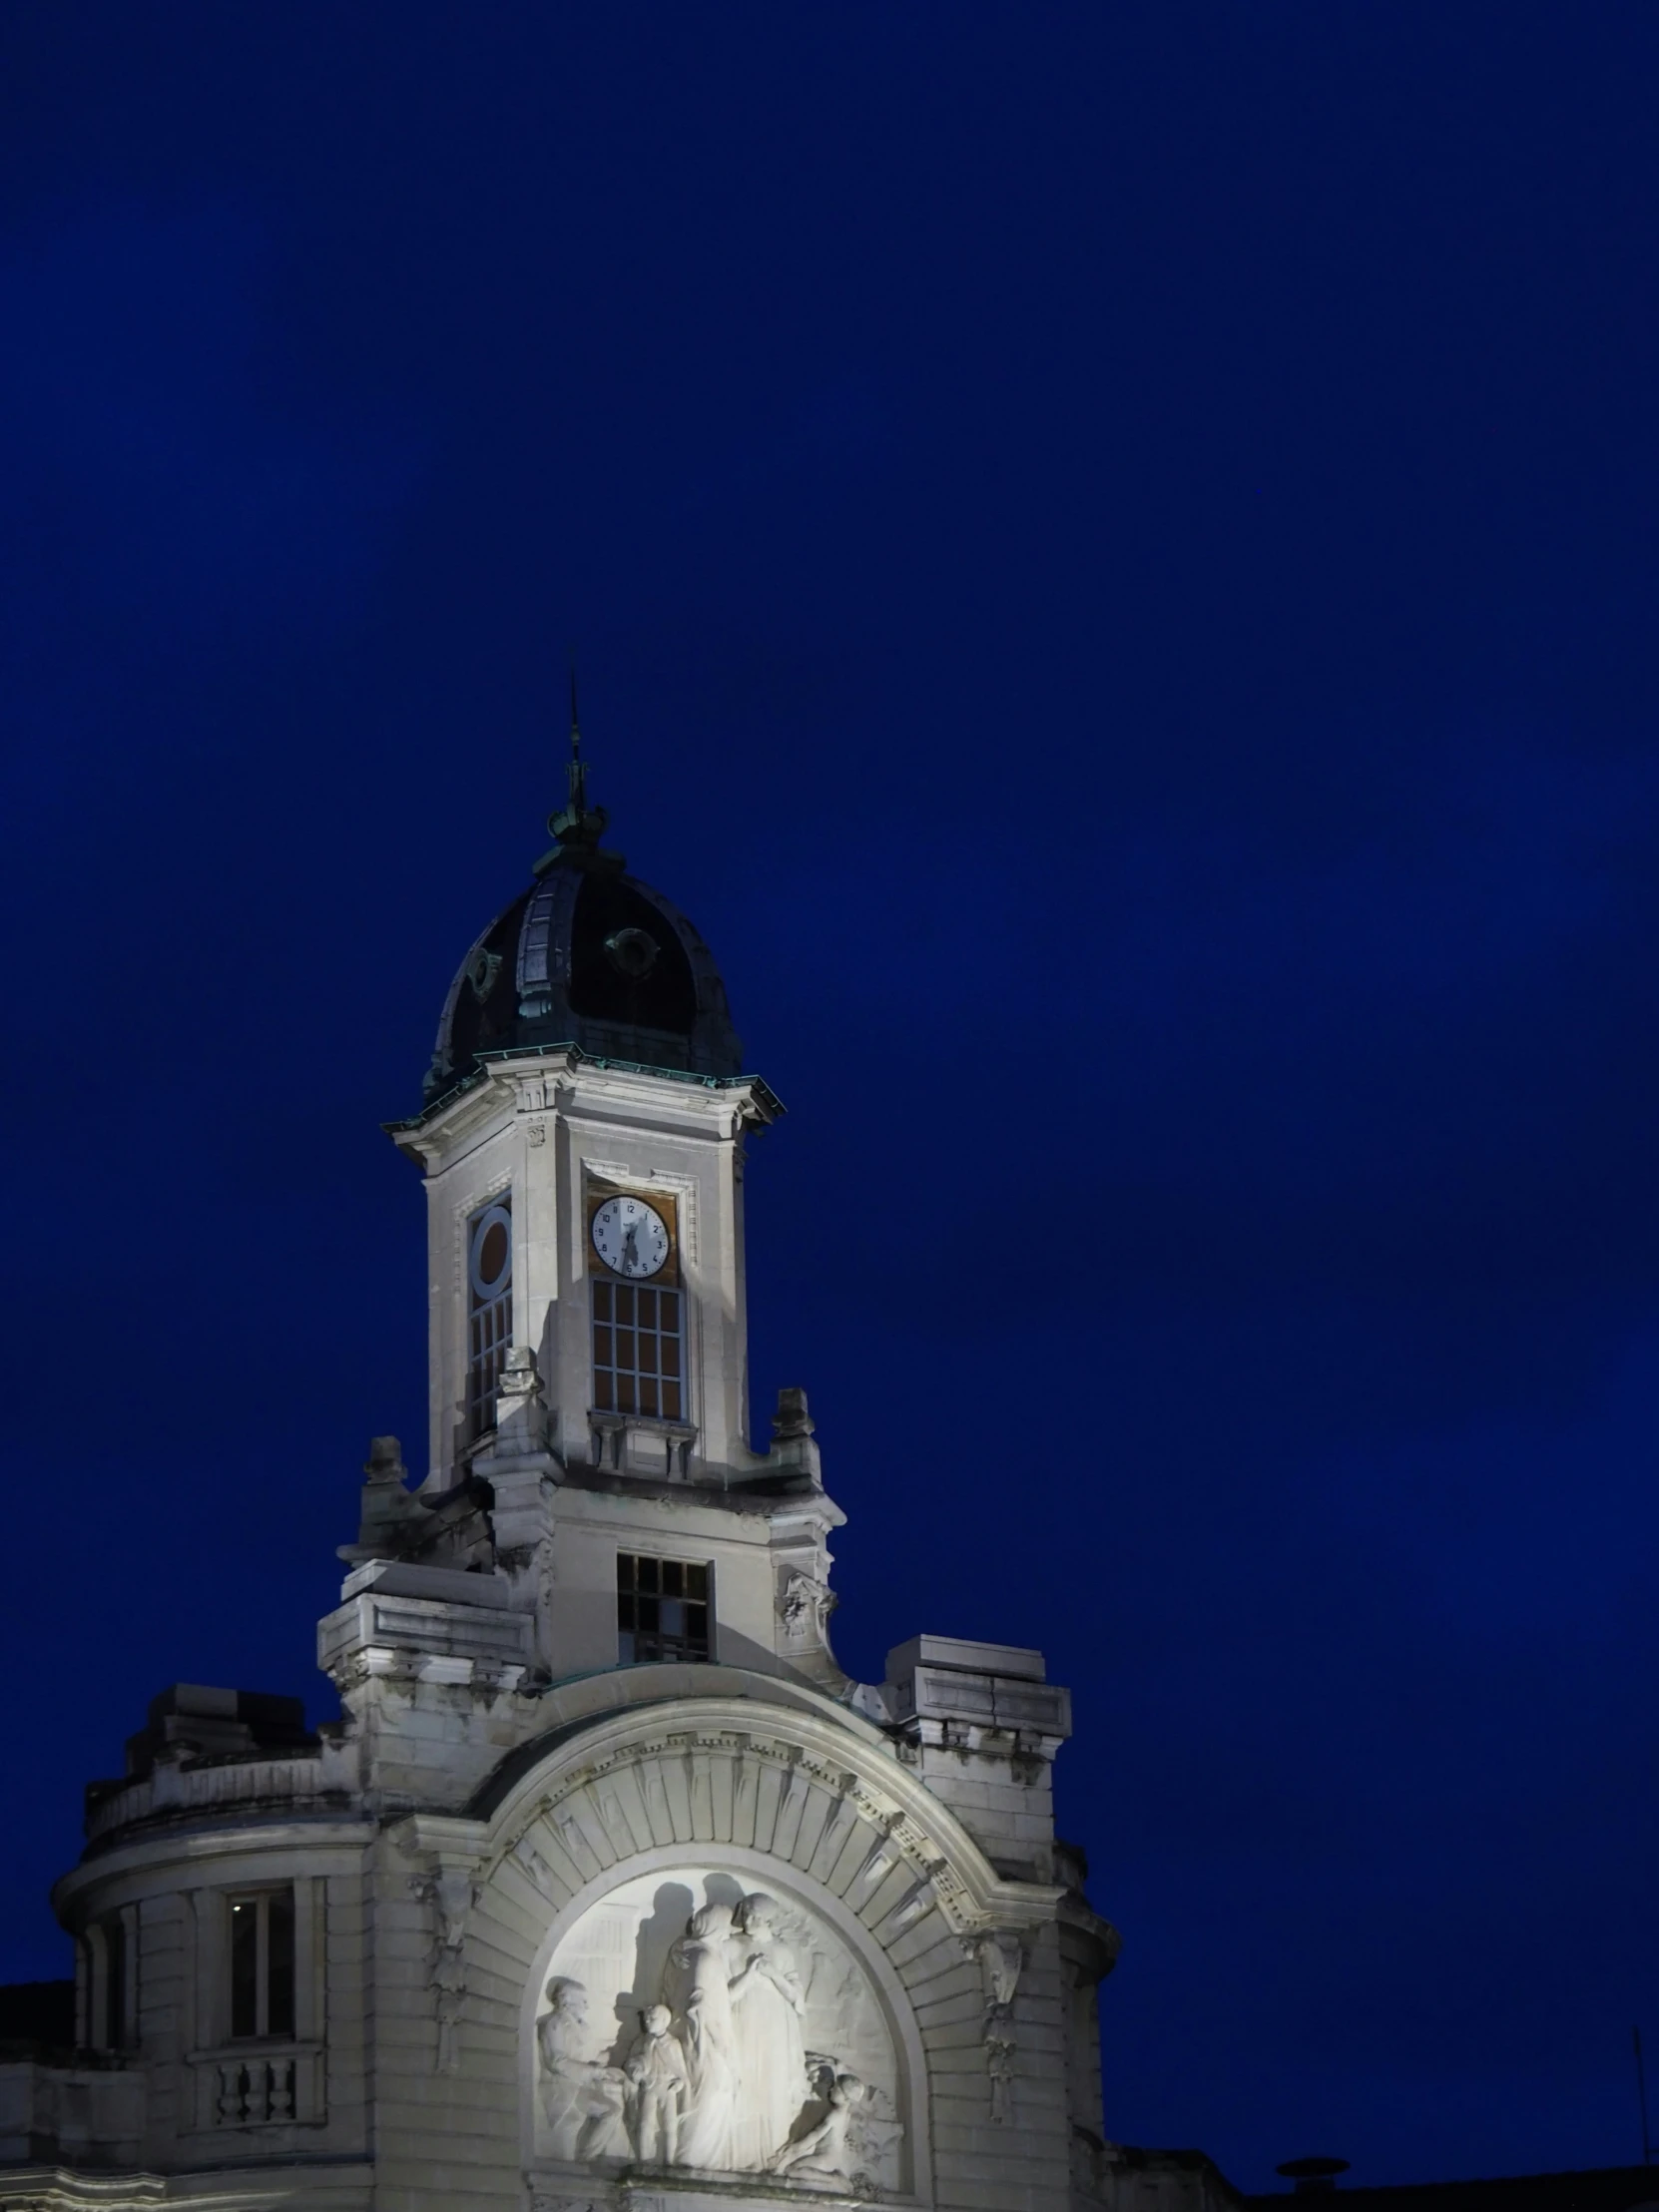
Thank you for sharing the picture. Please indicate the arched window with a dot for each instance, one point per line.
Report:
(489, 1278)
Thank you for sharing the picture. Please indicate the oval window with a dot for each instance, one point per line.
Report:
(491, 1255)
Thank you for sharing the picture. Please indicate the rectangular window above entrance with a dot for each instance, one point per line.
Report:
(662, 1608)
(637, 1350)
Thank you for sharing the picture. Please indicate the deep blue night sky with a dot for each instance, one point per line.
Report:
(1113, 551)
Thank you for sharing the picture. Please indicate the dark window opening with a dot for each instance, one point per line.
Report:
(280, 1962)
(115, 1984)
(662, 1608)
(627, 963)
(637, 1350)
(244, 1966)
(262, 1965)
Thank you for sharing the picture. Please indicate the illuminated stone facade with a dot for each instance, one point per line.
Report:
(609, 1888)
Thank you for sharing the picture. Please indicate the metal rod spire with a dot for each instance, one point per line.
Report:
(577, 772)
(578, 829)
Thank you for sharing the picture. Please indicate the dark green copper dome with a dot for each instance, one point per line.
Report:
(590, 956)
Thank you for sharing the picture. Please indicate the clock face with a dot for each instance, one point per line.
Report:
(630, 1237)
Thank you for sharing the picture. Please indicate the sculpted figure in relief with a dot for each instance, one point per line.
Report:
(826, 2155)
(583, 2100)
(657, 2068)
(718, 2078)
(767, 2008)
(704, 1955)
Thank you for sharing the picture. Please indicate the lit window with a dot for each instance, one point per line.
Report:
(662, 1608)
(635, 1349)
(262, 1965)
(489, 1275)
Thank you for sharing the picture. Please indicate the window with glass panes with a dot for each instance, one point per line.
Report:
(262, 1965)
(662, 1608)
(635, 1349)
(489, 1319)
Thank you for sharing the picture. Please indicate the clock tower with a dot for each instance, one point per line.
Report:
(582, 1144)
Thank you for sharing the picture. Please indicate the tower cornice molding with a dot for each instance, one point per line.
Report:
(560, 1072)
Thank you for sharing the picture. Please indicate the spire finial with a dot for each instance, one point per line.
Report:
(578, 829)
(577, 771)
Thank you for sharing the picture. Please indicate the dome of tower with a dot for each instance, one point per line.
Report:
(586, 956)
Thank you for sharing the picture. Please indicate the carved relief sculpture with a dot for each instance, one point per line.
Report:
(805, 1608)
(849, 2147)
(1001, 1958)
(705, 1956)
(657, 2068)
(716, 2076)
(451, 1894)
(584, 2101)
(768, 2003)
(825, 2153)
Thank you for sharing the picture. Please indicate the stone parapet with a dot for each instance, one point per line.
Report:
(997, 1687)
(434, 1623)
(84, 2111)
(229, 1790)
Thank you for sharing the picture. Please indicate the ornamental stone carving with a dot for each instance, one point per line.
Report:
(520, 1415)
(693, 2025)
(805, 1609)
(1001, 1957)
(582, 2099)
(452, 1894)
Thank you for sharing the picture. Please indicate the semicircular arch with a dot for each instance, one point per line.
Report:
(881, 1886)
(794, 1779)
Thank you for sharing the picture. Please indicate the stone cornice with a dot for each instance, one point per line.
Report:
(205, 1843)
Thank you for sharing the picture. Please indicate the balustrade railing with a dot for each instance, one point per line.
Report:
(253, 2091)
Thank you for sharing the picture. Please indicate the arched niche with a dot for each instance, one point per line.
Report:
(666, 1928)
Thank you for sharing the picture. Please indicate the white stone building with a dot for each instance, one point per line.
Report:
(609, 1888)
